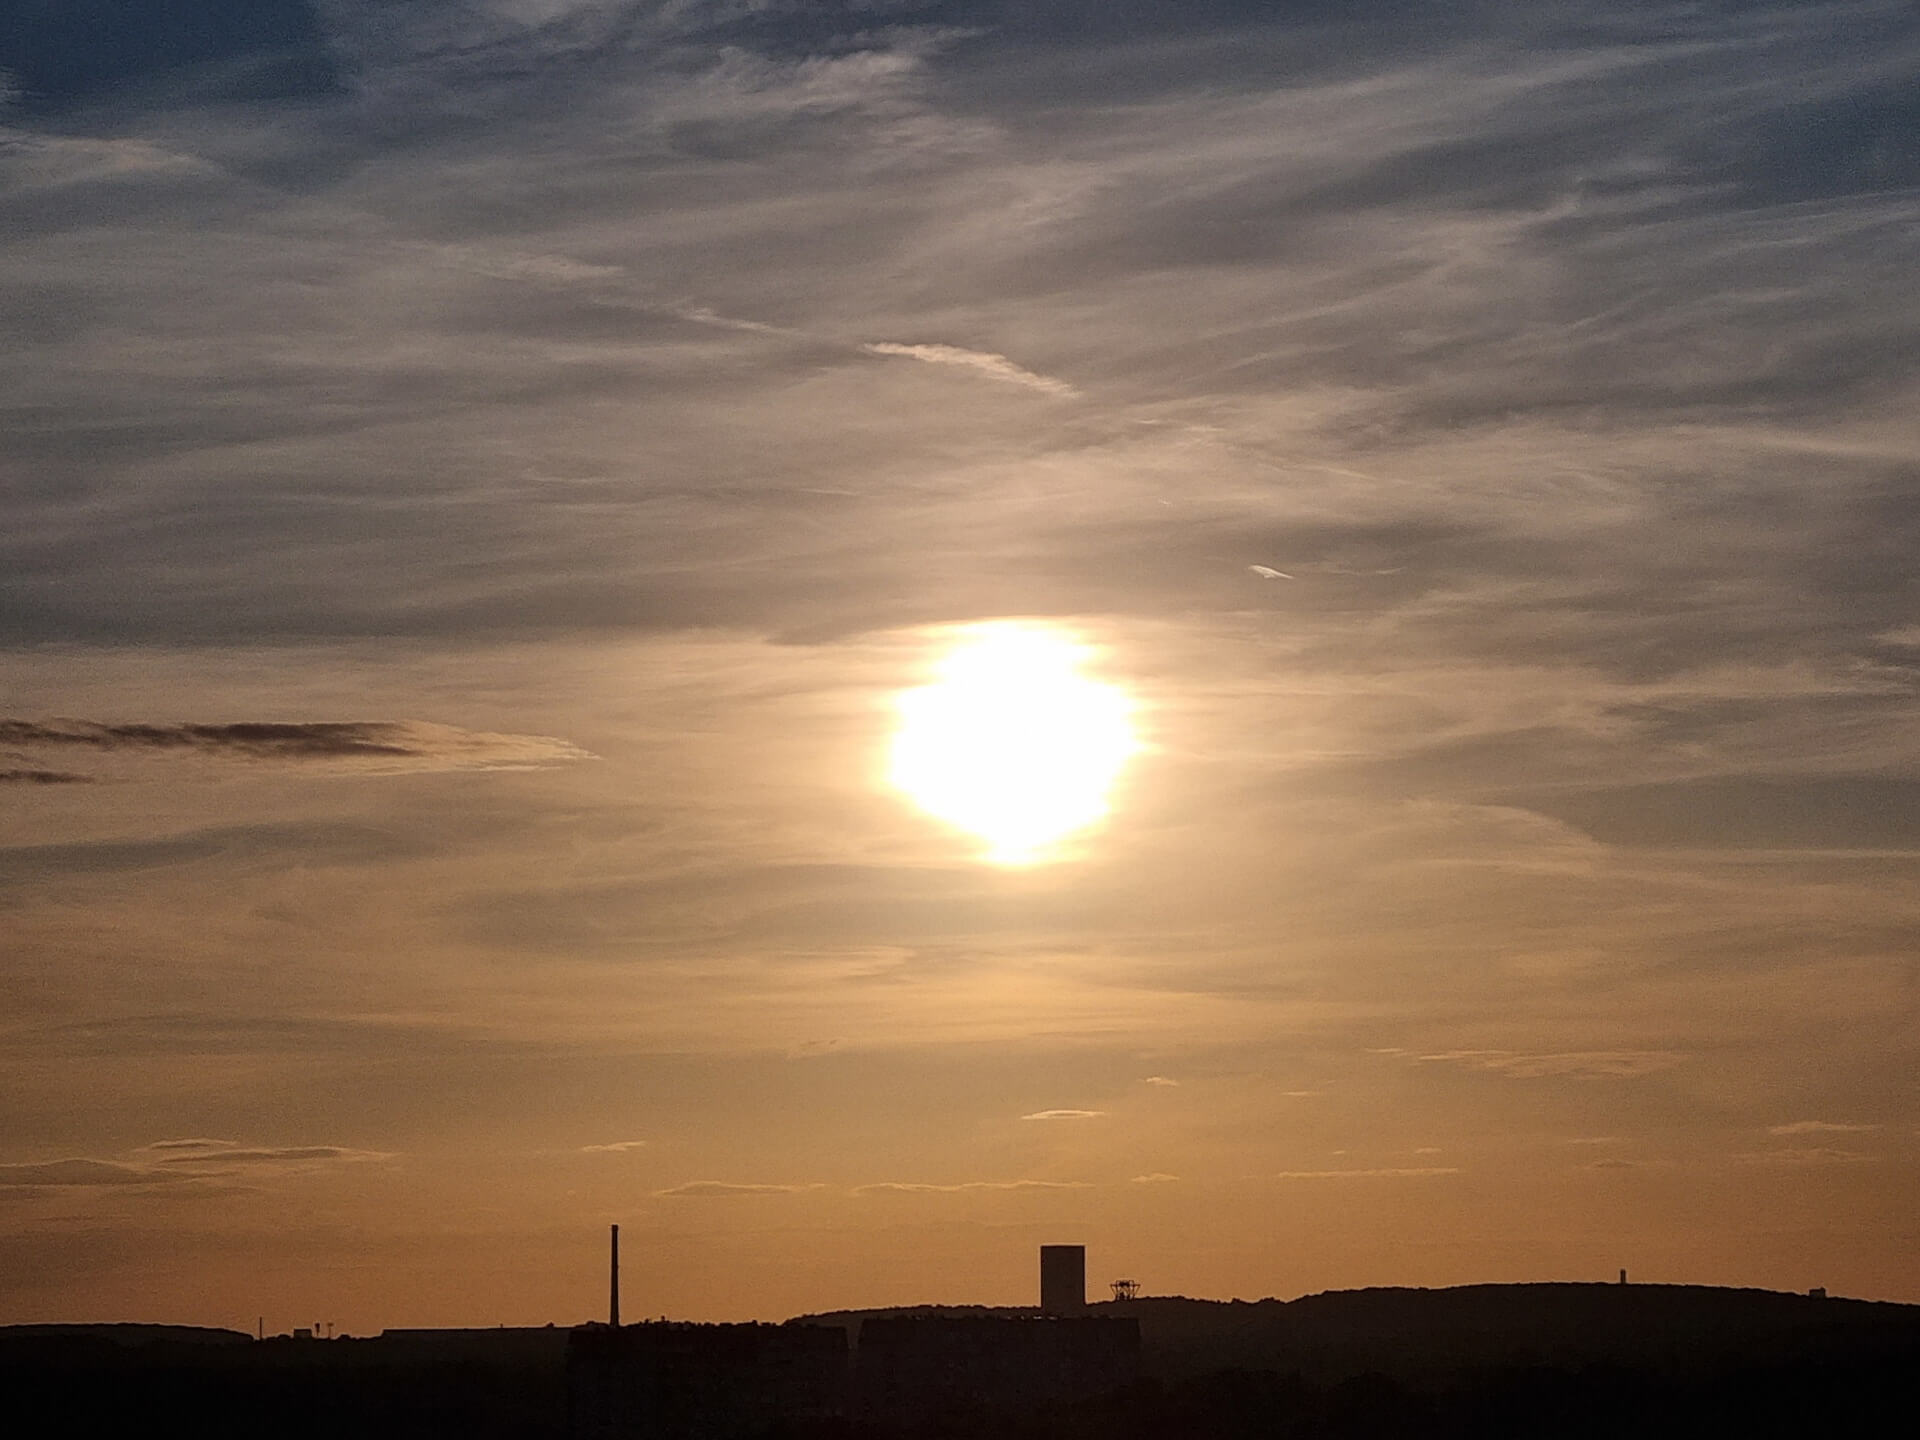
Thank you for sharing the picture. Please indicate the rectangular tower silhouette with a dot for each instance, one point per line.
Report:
(1063, 1279)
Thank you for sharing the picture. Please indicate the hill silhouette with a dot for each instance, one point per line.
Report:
(126, 1335)
(1561, 1360)
(1417, 1333)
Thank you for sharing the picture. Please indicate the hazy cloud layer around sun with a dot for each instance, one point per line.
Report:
(478, 474)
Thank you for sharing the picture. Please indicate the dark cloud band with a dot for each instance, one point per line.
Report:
(366, 744)
(270, 740)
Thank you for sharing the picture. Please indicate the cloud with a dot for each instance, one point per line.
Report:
(164, 1147)
(1408, 1172)
(1804, 1155)
(1156, 1178)
(43, 777)
(1580, 1064)
(170, 1161)
(994, 367)
(535, 268)
(284, 1155)
(721, 1189)
(78, 1173)
(1064, 1115)
(1160, 1080)
(617, 1147)
(701, 315)
(898, 1187)
(386, 747)
(1818, 1127)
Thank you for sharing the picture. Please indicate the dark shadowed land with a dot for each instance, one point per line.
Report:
(1492, 1360)
(1421, 1335)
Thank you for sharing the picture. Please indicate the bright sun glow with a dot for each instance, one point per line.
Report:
(1012, 742)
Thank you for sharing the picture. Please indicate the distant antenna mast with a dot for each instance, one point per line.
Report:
(1126, 1289)
(613, 1281)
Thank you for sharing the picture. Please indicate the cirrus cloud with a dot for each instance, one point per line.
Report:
(1577, 1064)
(378, 746)
(898, 1187)
(1064, 1115)
(1385, 1173)
(994, 367)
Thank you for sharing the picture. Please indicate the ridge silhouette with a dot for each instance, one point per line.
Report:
(1481, 1360)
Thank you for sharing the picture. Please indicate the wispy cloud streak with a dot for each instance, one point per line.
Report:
(385, 746)
(994, 367)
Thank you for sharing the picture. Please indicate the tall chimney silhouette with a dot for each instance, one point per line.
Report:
(613, 1281)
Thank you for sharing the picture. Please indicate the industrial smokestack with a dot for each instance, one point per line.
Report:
(613, 1281)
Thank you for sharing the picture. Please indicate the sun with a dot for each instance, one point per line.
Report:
(1011, 742)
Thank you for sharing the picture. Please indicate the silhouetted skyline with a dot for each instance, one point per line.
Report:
(1277, 638)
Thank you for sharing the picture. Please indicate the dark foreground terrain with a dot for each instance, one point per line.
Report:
(1478, 1361)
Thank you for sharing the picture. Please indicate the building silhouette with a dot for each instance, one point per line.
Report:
(916, 1369)
(669, 1381)
(1063, 1279)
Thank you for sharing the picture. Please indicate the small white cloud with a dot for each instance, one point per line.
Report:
(1577, 1064)
(1064, 1115)
(1156, 1178)
(1819, 1127)
(616, 1147)
(994, 367)
(1804, 1155)
(540, 268)
(701, 315)
(905, 1187)
(1160, 1080)
(1267, 572)
(1409, 1172)
(721, 1189)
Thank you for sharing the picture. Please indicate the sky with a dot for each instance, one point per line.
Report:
(480, 476)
